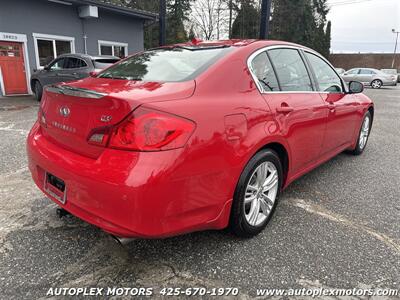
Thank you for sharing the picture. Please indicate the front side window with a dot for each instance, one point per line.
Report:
(291, 70)
(262, 68)
(327, 79)
(165, 65)
(352, 71)
(58, 64)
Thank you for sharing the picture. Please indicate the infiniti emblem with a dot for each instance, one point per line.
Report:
(64, 111)
(105, 118)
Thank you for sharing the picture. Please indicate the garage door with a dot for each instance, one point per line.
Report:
(13, 68)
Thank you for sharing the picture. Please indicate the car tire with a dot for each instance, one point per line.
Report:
(38, 90)
(363, 134)
(243, 220)
(376, 84)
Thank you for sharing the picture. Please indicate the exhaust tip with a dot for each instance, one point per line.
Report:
(121, 240)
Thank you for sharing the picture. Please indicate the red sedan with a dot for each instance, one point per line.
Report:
(193, 136)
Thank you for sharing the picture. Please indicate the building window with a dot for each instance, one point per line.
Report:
(113, 48)
(48, 47)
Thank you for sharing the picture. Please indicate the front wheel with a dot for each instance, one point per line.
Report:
(363, 134)
(256, 194)
(376, 84)
(38, 90)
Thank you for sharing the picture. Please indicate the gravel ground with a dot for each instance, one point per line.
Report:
(336, 227)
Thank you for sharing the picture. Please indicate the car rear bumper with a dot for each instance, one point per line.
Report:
(130, 194)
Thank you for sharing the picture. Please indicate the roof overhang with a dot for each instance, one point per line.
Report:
(141, 14)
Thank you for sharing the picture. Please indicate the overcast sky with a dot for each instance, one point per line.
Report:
(364, 26)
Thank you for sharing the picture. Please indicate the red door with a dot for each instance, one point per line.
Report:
(302, 120)
(13, 68)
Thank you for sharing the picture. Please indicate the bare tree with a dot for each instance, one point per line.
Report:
(210, 18)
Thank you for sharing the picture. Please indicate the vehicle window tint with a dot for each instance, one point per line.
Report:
(166, 65)
(290, 69)
(74, 63)
(328, 80)
(366, 72)
(262, 68)
(58, 64)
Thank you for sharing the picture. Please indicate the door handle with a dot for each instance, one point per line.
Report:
(284, 109)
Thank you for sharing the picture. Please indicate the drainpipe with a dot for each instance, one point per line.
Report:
(85, 43)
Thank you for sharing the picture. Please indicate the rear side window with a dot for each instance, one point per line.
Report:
(166, 65)
(290, 69)
(366, 72)
(327, 79)
(74, 63)
(262, 68)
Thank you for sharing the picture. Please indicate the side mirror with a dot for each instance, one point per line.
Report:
(93, 74)
(356, 87)
(46, 68)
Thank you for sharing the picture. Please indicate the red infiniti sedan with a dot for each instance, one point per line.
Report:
(194, 136)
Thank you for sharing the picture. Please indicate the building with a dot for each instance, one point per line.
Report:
(33, 32)
(349, 61)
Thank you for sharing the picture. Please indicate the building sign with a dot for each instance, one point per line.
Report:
(12, 37)
(9, 37)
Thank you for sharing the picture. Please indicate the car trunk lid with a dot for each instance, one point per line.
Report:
(72, 111)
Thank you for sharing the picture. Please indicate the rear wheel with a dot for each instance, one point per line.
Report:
(376, 84)
(256, 194)
(363, 134)
(38, 90)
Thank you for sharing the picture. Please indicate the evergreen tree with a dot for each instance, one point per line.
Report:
(303, 22)
(247, 22)
(177, 12)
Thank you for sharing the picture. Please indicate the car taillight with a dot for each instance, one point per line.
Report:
(145, 130)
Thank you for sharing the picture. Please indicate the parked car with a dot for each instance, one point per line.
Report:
(370, 77)
(394, 72)
(68, 67)
(194, 136)
(340, 71)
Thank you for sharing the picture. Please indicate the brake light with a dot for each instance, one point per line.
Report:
(145, 130)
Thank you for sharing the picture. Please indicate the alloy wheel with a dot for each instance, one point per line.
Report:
(376, 84)
(364, 132)
(260, 194)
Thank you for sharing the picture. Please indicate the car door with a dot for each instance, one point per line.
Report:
(343, 107)
(365, 76)
(298, 110)
(49, 74)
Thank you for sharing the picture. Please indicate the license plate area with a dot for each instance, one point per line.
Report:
(55, 187)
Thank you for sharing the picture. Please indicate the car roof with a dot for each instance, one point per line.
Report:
(87, 56)
(200, 44)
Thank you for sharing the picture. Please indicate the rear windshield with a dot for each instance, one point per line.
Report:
(104, 63)
(166, 65)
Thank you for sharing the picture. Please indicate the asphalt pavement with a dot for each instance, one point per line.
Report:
(336, 227)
